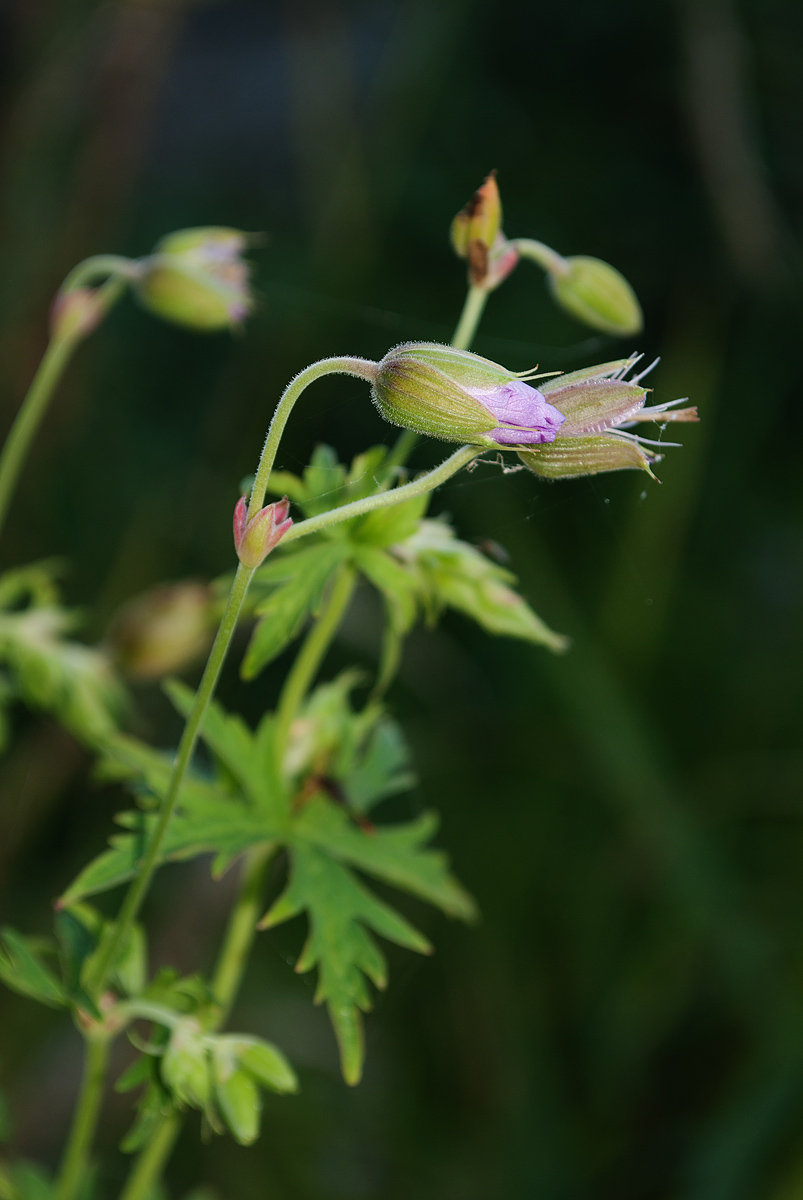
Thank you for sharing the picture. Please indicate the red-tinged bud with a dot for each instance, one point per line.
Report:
(75, 313)
(255, 538)
(477, 236)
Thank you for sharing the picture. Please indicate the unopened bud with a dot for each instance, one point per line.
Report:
(477, 236)
(163, 630)
(198, 278)
(461, 397)
(255, 538)
(75, 313)
(598, 294)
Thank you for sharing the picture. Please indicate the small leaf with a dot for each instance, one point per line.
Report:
(382, 769)
(240, 1104)
(386, 526)
(267, 1064)
(22, 970)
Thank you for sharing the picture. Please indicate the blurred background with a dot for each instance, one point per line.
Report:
(627, 1019)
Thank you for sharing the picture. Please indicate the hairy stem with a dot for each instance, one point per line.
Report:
(363, 368)
(140, 883)
(417, 487)
(72, 1176)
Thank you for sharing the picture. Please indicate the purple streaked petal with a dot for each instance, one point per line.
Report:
(513, 436)
(517, 404)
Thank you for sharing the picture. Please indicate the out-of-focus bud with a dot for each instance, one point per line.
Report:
(163, 630)
(461, 397)
(477, 236)
(598, 294)
(599, 406)
(255, 539)
(197, 278)
(75, 313)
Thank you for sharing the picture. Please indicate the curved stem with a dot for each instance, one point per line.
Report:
(417, 487)
(537, 252)
(149, 1164)
(363, 368)
(473, 308)
(139, 885)
(72, 1176)
(310, 657)
(100, 266)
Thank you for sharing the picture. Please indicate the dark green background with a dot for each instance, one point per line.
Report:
(627, 1020)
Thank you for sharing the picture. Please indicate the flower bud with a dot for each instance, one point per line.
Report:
(597, 294)
(197, 278)
(477, 236)
(163, 630)
(461, 397)
(255, 539)
(75, 313)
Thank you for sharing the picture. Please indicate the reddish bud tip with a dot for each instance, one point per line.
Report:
(75, 313)
(255, 538)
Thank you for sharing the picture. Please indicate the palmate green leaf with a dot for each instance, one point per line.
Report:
(339, 909)
(359, 758)
(22, 969)
(392, 853)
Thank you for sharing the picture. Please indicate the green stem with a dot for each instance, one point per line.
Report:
(241, 931)
(149, 1164)
(547, 258)
(417, 487)
(72, 1176)
(310, 657)
(29, 417)
(361, 367)
(139, 885)
(473, 308)
(50, 370)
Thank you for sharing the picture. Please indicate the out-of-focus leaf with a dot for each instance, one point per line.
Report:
(22, 969)
(455, 575)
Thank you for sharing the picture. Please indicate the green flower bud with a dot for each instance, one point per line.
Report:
(197, 278)
(461, 397)
(186, 1066)
(598, 294)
